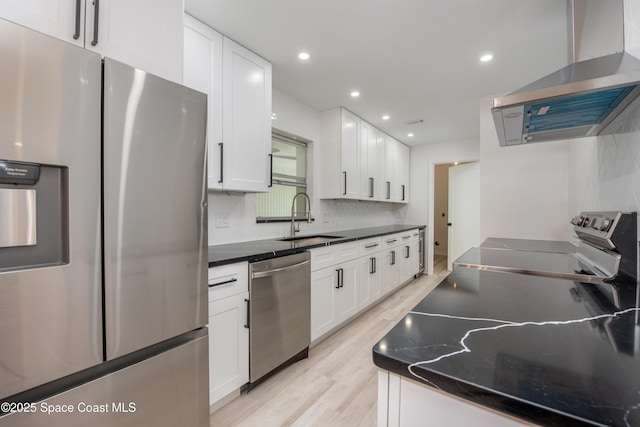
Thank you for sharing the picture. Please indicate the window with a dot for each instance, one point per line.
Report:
(289, 177)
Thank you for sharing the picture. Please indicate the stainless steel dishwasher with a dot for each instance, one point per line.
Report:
(279, 313)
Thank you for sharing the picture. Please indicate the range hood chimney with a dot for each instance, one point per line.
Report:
(591, 96)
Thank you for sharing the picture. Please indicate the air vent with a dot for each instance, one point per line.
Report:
(415, 122)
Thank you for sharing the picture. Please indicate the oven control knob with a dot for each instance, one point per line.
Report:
(586, 221)
(577, 220)
(605, 224)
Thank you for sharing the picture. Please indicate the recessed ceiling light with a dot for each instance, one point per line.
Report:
(486, 58)
(304, 56)
(385, 117)
(409, 135)
(355, 94)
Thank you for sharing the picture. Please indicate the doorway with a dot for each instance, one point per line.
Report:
(456, 211)
(440, 214)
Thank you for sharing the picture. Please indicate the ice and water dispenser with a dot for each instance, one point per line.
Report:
(34, 219)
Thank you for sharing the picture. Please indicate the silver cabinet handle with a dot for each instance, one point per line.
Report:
(96, 11)
(393, 257)
(392, 240)
(344, 173)
(371, 187)
(388, 190)
(340, 283)
(402, 192)
(221, 145)
(248, 318)
(76, 34)
(267, 273)
(373, 245)
(270, 170)
(407, 255)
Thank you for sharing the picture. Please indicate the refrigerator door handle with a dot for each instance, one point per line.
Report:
(96, 13)
(76, 34)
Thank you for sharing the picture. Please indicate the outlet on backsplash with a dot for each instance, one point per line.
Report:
(221, 219)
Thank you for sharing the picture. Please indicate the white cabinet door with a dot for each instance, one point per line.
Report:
(369, 174)
(228, 346)
(147, 34)
(246, 129)
(369, 279)
(203, 72)
(387, 190)
(401, 173)
(391, 269)
(347, 292)
(324, 284)
(350, 154)
(62, 19)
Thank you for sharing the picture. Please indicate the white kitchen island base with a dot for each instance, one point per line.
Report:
(404, 402)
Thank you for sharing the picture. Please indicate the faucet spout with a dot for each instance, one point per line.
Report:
(293, 212)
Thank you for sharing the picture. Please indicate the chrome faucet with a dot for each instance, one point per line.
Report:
(293, 207)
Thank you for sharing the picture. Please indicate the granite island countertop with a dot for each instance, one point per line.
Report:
(549, 351)
(258, 250)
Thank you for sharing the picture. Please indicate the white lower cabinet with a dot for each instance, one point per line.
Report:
(369, 279)
(403, 402)
(391, 269)
(333, 296)
(228, 330)
(347, 278)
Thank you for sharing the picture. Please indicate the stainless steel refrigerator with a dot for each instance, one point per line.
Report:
(103, 295)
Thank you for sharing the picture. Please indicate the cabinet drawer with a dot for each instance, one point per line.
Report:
(228, 280)
(334, 254)
(391, 240)
(370, 246)
(408, 236)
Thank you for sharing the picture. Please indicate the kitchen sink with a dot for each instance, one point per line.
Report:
(306, 240)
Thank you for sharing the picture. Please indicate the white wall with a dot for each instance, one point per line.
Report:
(423, 161)
(330, 215)
(523, 189)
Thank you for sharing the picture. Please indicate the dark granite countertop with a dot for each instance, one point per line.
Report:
(257, 250)
(549, 351)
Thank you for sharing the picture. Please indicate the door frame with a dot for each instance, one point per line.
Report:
(430, 216)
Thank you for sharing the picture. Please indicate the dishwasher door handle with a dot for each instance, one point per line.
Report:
(268, 273)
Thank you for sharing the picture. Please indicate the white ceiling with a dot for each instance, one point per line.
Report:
(410, 59)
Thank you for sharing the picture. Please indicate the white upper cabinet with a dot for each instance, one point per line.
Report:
(349, 155)
(146, 34)
(358, 161)
(203, 72)
(401, 174)
(340, 154)
(387, 165)
(62, 19)
(246, 119)
(238, 85)
(369, 161)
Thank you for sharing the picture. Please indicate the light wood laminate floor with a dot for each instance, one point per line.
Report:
(337, 384)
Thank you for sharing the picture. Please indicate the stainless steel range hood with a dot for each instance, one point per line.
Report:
(581, 99)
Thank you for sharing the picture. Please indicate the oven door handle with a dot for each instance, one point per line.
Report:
(267, 273)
